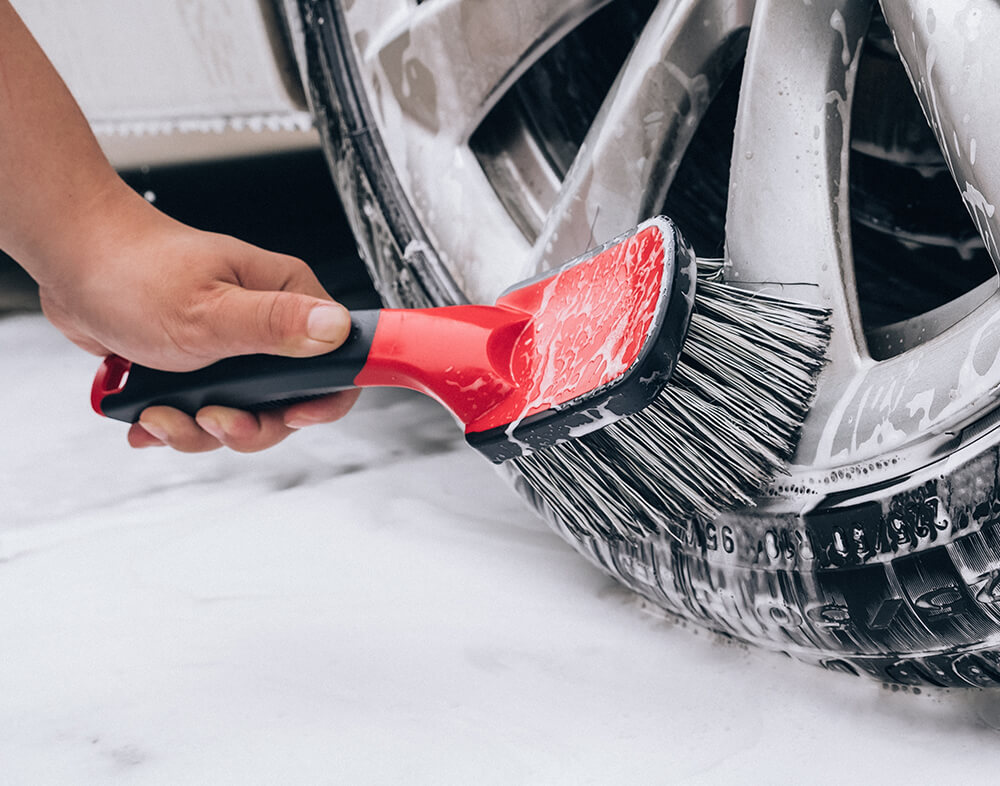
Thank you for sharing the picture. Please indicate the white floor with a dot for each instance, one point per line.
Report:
(368, 603)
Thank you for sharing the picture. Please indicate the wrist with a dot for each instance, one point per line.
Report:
(69, 248)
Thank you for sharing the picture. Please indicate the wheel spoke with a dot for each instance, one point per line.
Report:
(788, 219)
(632, 151)
(952, 58)
(788, 223)
(447, 62)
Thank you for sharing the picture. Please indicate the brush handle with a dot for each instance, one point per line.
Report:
(122, 389)
(460, 355)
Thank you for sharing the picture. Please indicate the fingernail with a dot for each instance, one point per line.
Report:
(328, 322)
(154, 431)
(299, 422)
(212, 426)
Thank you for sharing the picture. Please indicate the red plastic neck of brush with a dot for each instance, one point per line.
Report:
(544, 344)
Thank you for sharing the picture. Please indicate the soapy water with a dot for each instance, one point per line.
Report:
(587, 333)
(586, 337)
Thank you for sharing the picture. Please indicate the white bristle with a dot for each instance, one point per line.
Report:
(715, 436)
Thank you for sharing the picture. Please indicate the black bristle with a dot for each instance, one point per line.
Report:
(714, 438)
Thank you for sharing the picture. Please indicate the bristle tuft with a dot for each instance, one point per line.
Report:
(714, 438)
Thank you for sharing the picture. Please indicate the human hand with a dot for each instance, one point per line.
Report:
(171, 297)
(117, 276)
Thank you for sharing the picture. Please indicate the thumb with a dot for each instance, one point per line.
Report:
(279, 323)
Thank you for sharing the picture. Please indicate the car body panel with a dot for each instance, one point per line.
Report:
(176, 81)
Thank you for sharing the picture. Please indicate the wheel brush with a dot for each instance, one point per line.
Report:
(631, 388)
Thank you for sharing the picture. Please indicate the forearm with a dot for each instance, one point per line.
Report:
(54, 178)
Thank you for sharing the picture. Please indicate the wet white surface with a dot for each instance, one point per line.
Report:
(368, 603)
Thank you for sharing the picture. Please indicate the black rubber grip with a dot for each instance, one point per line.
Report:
(250, 382)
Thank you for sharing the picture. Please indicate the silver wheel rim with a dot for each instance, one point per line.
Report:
(434, 70)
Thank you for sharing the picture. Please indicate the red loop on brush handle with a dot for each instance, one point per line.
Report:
(110, 379)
